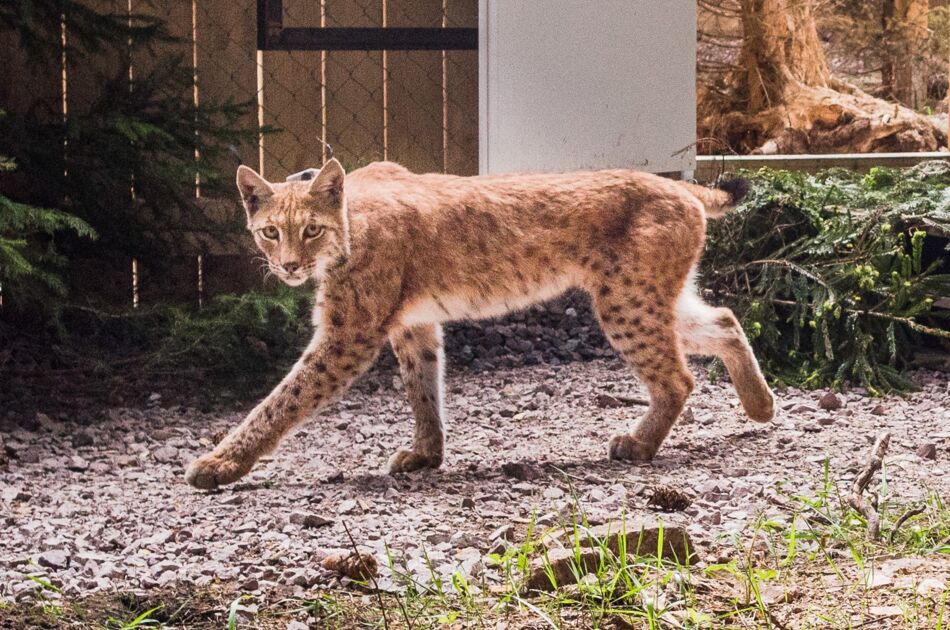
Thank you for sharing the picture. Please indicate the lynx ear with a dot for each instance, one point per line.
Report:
(329, 182)
(253, 189)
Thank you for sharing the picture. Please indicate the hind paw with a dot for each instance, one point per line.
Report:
(629, 448)
(408, 460)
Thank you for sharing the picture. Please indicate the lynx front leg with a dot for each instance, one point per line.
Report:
(329, 365)
(419, 350)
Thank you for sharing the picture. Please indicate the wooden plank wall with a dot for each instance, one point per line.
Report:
(415, 107)
(227, 70)
(354, 92)
(461, 94)
(291, 99)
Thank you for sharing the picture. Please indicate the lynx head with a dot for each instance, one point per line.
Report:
(301, 226)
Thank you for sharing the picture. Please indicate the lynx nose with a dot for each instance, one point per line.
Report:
(292, 266)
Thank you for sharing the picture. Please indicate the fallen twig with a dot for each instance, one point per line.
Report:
(906, 516)
(861, 482)
(633, 400)
(371, 576)
(815, 517)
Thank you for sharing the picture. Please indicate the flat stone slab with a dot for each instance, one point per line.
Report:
(637, 536)
(572, 553)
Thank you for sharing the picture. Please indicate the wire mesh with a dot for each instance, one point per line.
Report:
(416, 107)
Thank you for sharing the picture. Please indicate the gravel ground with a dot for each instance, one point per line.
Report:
(106, 507)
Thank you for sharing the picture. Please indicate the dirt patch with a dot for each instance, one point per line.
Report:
(105, 507)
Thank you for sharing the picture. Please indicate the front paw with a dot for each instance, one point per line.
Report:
(211, 470)
(407, 460)
(762, 407)
(627, 447)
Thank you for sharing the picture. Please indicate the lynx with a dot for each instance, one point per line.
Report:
(394, 254)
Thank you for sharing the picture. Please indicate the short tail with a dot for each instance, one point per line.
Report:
(723, 198)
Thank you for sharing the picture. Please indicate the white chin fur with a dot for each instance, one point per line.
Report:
(294, 282)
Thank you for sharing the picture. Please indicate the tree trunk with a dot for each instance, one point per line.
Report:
(783, 99)
(780, 47)
(905, 34)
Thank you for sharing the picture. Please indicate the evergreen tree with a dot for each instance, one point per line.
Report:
(124, 163)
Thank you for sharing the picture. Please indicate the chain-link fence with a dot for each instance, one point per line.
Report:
(417, 107)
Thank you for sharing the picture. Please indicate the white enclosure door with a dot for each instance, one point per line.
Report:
(587, 84)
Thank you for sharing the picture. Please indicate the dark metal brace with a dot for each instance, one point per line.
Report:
(272, 35)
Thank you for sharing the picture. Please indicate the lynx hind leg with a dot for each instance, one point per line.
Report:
(707, 330)
(642, 331)
(419, 351)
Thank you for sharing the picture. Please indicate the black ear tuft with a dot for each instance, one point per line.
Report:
(737, 188)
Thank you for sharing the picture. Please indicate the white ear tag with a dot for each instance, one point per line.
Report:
(304, 175)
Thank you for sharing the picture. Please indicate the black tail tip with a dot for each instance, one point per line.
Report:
(737, 188)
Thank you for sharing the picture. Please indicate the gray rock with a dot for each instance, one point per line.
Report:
(505, 532)
(347, 507)
(11, 495)
(313, 521)
(82, 438)
(165, 454)
(54, 559)
(829, 402)
(640, 536)
(606, 401)
(29, 456)
(556, 569)
(167, 577)
(247, 527)
(160, 435)
(438, 538)
(553, 493)
(100, 468)
(522, 471)
(927, 451)
(78, 464)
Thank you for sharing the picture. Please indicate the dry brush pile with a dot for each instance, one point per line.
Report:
(835, 275)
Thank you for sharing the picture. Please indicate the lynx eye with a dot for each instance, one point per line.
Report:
(271, 232)
(313, 231)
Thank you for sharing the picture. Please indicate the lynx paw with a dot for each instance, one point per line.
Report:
(762, 407)
(627, 447)
(210, 471)
(407, 460)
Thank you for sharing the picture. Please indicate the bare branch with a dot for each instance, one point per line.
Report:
(861, 482)
(370, 575)
(906, 516)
